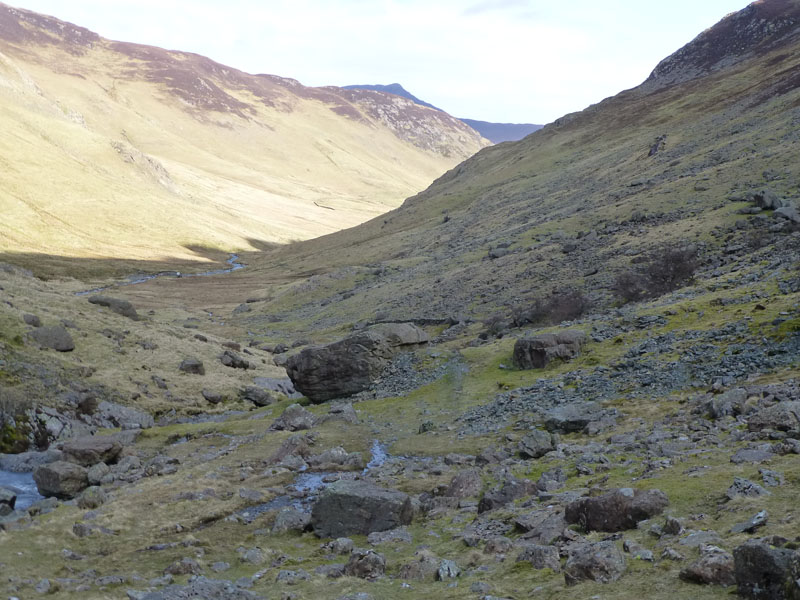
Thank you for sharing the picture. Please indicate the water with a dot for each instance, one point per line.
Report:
(23, 485)
(134, 279)
(308, 485)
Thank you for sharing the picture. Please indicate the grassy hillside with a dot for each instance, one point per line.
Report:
(124, 151)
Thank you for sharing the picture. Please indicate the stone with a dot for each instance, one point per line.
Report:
(339, 369)
(536, 352)
(212, 396)
(511, 489)
(783, 416)
(257, 395)
(448, 569)
(397, 536)
(574, 417)
(90, 450)
(423, 568)
(637, 551)
(233, 360)
(790, 213)
(291, 519)
(55, 337)
(294, 418)
(292, 577)
(61, 479)
(616, 510)
(541, 557)
(714, 567)
(752, 455)
(771, 478)
(498, 545)
(536, 444)
(758, 520)
(602, 562)
(184, 566)
(745, 487)
(366, 564)
(358, 507)
(763, 572)
(121, 307)
(32, 320)
(8, 498)
(342, 545)
(92, 497)
(201, 587)
(542, 526)
(464, 484)
(401, 334)
(192, 366)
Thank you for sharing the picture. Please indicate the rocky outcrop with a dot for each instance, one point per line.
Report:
(617, 510)
(536, 352)
(339, 369)
(117, 305)
(358, 507)
(61, 479)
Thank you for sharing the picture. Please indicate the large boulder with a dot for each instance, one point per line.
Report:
(714, 567)
(536, 444)
(358, 507)
(780, 417)
(121, 307)
(602, 562)
(56, 338)
(339, 369)
(764, 572)
(90, 450)
(616, 510)
(61, 479)
(537, 351)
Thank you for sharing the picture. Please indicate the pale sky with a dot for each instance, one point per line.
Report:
(495, 60)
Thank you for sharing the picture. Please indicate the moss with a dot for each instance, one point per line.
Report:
(14, 437)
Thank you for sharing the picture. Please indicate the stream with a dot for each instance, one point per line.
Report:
(306, 487)
(139, 278)
(23, 486)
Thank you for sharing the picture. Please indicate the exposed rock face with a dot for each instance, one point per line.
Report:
(617, 510)
(339, 369)
(764, 572)
(121, 307)
(537, 351)
(55, 337)
(88, 451)
(602, 562)
(61, 479)
(358, 507)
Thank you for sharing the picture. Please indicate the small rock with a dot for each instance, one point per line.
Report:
(256, 395)
(193, 366)
(541, 557)
(121, 307)
(600, 561)
(32, 320)
(294, 418)
(749, 526)
(448, 569)
(365, 564)
(714, 567)
(55, 337)
(745, 487)
(91, 498)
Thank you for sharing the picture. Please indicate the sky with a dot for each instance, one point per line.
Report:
(522, 61)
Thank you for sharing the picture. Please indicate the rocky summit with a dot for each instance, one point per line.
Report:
(569, 368)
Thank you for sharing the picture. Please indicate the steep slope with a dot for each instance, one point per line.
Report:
(108, 146)
(665, 165)
(494, 132)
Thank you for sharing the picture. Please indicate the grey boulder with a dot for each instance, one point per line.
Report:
(536, 352)
(61, 479)
(602, 562)
(358, 507)
(90, 450)
(55, 337)
(121, 307)
(616, 510)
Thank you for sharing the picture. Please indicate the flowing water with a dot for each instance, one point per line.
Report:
(134, 279)
(23, 485)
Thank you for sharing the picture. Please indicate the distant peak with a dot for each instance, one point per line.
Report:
(760, 27)
(392, 88)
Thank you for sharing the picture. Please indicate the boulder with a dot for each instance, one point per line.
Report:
(536, 444)
(92, 497)
(714, 567)
(193, 366)
(541, 557)
(90, 450)
(55, 337)
(422, 568)
(8, 498)
(233, 360)
(366, 564)
(339, 369)
(32, 320)
(780, 417)
(257, 395)
(537, 351)
(464, 484)
(790, 213)
(542, 526)
(745, 487)
(401, 334)
(291, 519)
(602, 562)
(61, 479)
(359, 507)
(511, 489)
(573, 417)
(767, 199)
(121, 307)
(616, 510)
(763, 572)
(294, 418)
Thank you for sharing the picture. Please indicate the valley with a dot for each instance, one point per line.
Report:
(567, 368)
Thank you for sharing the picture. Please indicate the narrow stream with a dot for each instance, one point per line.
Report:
(306, 487)
(135, 279)
(23, 486)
